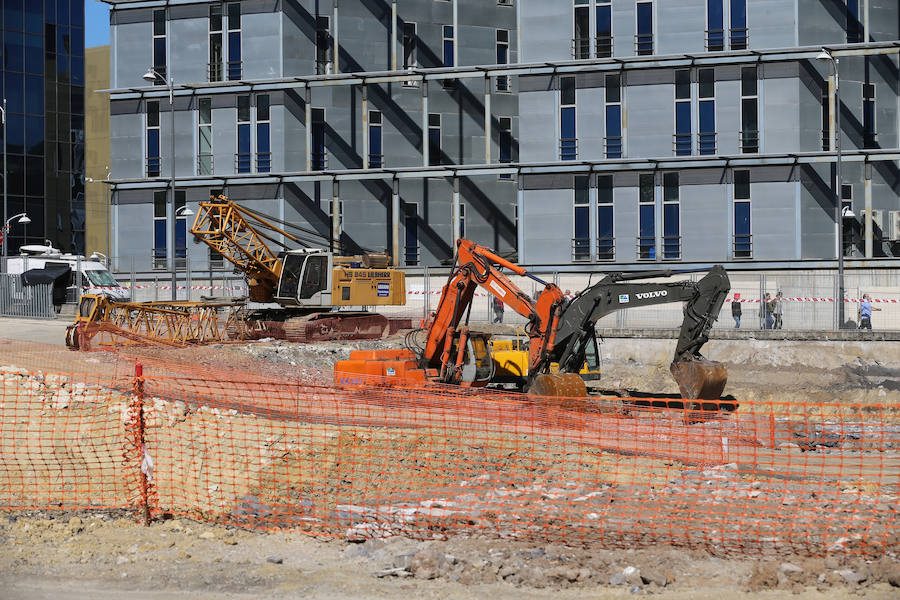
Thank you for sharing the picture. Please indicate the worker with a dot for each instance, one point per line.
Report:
(497, 304)
(736, 310)
(864, 312)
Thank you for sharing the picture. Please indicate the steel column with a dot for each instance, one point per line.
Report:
(395, 222)
(487, 119)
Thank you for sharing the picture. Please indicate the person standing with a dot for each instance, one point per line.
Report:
(778, 311)
(768, 307)
(864, 312)
(498, 310)
(736, 310)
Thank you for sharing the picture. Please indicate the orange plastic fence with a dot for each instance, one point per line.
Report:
(369, 462)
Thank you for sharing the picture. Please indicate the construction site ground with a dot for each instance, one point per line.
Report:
(107, 554)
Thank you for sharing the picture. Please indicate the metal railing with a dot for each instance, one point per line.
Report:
(750, 141)
(742, 246)
(740, 38)
(646, 247)
(643, 44)
(243, 162)
(161, 259)
(671, 247)
(715, 40)
(706, 142)
(568, 148)
(411, 256)
(681, 144)
(501, 83)
(214, 72)
(154, 166)
(581, 249)
(263, 162)
(318, 161)
(205, 164)
(376, 161)
(606, 248)
(235, 70)
(26, 301)
(581, 48)
(826, 140)
(603, 46)
(612, 147)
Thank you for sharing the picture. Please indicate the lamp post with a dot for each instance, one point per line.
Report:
(22, 218)
(833, 63)
(107, 208)
(3, 119)
(152, 76)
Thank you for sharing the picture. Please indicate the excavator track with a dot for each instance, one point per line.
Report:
(336, 326)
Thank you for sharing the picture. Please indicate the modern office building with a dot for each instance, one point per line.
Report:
(318, 113)
(43, 85)
(96, 136)
(703, 131)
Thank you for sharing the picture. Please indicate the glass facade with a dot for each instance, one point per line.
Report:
(43, 84)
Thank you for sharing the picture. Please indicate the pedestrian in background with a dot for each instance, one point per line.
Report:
(779, 310)
(864, 313)
(736, 310)
(766, 309)
(498, 310)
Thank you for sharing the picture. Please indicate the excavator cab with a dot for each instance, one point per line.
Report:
(305, 279)
(477, 368)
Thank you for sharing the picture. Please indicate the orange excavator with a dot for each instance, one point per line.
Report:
(558, 330)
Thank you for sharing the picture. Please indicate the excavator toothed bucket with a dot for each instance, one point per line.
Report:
(567, 385)
(700, 379)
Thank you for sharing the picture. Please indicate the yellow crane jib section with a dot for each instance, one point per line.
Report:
(368, 287)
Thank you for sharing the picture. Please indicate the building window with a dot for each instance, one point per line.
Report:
(749, 110)
(411, 227)
(643, 41)
(235, 66)
(410, 55)
(739, 35)
(263, 135)
(159, 46)
(581, 239)
(434, 139)
(153, 161)
(707, 105)
(216, 260)
(568, 140)
(376, 152)
(854, 27)
(243, 160)
(502, 58)
(505, 143)
(646, 217)
(826, 120)
(683, 134)
(462, 221)
(671, 217)
(581, 42)
(613, 94)
(606, 240)
(319, 154)
(604, 41)
(204, 137)
(216, 55)
(160, 227)
(180, 231)
(869, 134)
(448, 46)
(851, 226)
(742, 240)
(323, 45)
(715, 25)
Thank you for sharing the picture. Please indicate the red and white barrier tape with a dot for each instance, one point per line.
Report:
(852, 300)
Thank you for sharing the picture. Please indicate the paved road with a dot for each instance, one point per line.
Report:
(46, 331)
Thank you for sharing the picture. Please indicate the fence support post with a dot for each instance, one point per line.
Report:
(145, 464)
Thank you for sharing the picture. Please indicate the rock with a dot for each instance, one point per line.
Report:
(121, 560)
(395, 572)
(75, 522)
(893, 577)
(851, 577)
(617, 579)
(636, 589)
(655, 577)
(275, 560)
(632, 575)
(207, 535)
(790, 569)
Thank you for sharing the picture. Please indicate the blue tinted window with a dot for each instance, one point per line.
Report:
(375, 140)
(12, 14)
(707, 127)
(742, 218)
(14, 88)
(77, 36)
(34, 135)
(15, 132)
(159, 237)
(645, 28)
(448, 46)
(604, 221)
(738, 24)
(715, 24)
(682, 128)
(412, 232)
(568, 144)
(34, 54)
(234, 56)
(434, 146)
(13, 51)
(604, 21)
(671, 231)
(34, 91)
(77, 14)
(243, 140)
(62, 11)
(614, 131)
(647, 231)
(582, 222)
(263, 148)
(180, 237)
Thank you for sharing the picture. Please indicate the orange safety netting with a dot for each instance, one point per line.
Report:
(373, 461)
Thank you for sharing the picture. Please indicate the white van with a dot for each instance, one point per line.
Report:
(95, 279)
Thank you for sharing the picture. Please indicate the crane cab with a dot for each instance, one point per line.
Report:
(310, 278)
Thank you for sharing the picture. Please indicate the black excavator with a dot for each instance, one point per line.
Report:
(697, 377)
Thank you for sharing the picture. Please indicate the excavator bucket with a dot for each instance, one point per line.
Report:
(700, 379)
(566, 385)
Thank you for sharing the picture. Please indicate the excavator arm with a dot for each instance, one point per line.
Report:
(697, 377)
(447, 328)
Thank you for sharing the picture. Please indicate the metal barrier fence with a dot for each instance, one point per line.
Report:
(808, 296)
(368, 462)
(27, 301)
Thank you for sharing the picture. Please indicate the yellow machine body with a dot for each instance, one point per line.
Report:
(368, 287)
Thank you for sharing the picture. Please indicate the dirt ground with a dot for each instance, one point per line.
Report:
(105, 554)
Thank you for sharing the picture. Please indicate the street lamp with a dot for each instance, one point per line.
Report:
(152, 76)
(22, 218)
(833, 64)
(3, 121)
(107, 208)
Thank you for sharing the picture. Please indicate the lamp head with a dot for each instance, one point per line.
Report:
(824, 55)
(24, 220)
(150, 76)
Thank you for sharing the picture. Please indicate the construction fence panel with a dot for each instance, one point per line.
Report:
(373, 461)
(26, 301)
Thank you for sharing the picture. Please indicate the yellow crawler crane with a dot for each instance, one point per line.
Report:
(307, 283)
(104, 322)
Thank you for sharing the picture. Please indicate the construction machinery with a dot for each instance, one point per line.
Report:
(510, 357)
(560, 331)
(306, 284)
